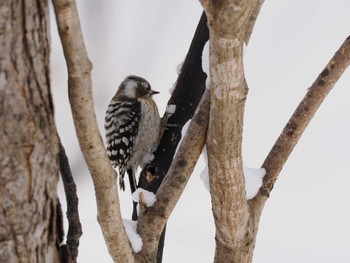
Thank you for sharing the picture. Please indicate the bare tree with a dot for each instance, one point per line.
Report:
(236, 218)
(30, 218)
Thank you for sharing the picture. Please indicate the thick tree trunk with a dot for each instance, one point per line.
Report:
(230, 24)
(30, 214)
(224, 141)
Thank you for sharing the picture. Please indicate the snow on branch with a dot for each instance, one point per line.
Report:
(134, 238)
(253, 178)
(143, 196)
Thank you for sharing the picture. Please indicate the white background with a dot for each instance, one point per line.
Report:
(306, 218)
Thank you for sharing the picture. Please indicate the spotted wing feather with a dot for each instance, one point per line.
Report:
(121, 124)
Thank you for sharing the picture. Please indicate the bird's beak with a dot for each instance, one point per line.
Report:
(155, 92)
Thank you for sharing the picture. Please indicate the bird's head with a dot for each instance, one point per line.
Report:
(135, 87)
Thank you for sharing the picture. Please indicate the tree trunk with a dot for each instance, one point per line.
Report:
(30, 216)
(230, 24)
(228, 94)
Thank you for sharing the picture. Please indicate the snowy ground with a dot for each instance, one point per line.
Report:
(306, 218)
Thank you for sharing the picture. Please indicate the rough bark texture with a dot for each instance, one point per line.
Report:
(230, 23)
(224, 141)
(30, 214)
(91, 145)
(237, 219)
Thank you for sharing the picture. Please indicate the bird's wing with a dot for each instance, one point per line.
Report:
(121, 124)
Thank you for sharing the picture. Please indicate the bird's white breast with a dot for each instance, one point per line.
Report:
(147, 136)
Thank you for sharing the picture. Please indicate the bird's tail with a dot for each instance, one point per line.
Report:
(132, 180)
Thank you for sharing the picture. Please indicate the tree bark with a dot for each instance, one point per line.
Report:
(30, 215)
(224, 141)
(90, 141)
(230, 24)
(300, 119)
(237, 219)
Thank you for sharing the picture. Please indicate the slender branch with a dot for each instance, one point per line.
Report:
(187, 94)
(302, 116)
(153, 220)
(91, 145)
(252, 20)
(70, 189)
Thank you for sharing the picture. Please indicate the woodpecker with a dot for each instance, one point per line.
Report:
(132, 125)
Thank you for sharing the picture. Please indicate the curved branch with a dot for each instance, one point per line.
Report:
(302, 116)
(91, 145)
(70, 189)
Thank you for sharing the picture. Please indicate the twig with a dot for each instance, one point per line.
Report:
(74, 225)
(296, 125)
(91, 145)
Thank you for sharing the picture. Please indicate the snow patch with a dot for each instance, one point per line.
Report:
(170, 109)
(253, 180)
(146, 159)
(183, 133)
(172, 88)
(185, 128)
(205, 173)
(205, 63)
(134, 238)
(253, 177)
(178, 71)
(148, 198)
(179, 67)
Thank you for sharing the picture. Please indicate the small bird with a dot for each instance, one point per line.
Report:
(132, 125)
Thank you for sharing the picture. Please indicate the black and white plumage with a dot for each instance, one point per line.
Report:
(132, 125)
